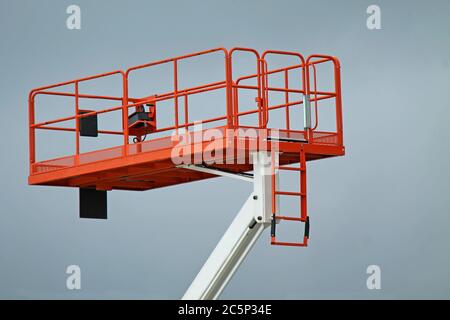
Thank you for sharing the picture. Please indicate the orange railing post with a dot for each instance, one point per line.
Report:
(175, 92)
(31, 131)
(77, 123)
(125, 111)
(229, 93)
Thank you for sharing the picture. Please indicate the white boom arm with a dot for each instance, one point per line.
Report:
(247, 226)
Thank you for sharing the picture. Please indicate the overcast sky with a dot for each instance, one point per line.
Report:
(385, 203)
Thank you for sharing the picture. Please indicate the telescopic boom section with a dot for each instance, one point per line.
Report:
(241, 235)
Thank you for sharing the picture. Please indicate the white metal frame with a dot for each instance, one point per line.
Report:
(241, 235)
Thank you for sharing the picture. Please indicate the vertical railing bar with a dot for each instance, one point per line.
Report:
(236, 106)
(337, 86)
(259, 71)
(316, 114)
(306, 103)
(125, 113)
(261, 93)
(175, 86)
(77, 123)
(229, 93)
(31, 131)
(265, 93)
(286, 86)
(186, 114)
(266, 100)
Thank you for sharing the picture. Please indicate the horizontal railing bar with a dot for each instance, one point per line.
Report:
(88, 114)
(87, 96)
(73, 129)
(192, 92)
(244, 113)
(296, 66)
(101, 75)
(150, 64)
(190, 124)
(138, 102)
(83, 115)
(240, 86)
(183, 92)
(320, 61)
(328, 93)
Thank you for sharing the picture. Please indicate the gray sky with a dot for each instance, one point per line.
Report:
(385, 203)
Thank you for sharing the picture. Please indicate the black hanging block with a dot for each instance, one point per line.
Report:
(93, 204)
(88, 125)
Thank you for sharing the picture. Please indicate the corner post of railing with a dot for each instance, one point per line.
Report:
(264, 94)
(77, 122)
(306, 101)
(125, 111)
(286, 98)
(175, 93)
(32, 130)
(265, 80)
(337, 80)
(261, 92)
(316, 115)
(229, 89)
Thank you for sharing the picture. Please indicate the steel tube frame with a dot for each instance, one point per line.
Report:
(231, 86)
(241, 235)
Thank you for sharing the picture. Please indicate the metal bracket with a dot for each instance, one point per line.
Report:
(218, 172)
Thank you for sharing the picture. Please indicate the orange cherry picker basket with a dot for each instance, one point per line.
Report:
(286, 100)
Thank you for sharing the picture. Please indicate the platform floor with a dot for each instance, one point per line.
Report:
(149, 165)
